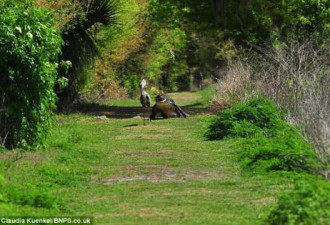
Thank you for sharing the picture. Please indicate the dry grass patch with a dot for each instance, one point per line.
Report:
(11, 157)
(161, 173)
(152, 153)
(264, 201)
(143, 136)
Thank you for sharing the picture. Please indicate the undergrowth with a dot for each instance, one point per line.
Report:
(245, 120)
(270, 143)
(307, 204)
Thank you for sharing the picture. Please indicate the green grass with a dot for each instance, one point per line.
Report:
(123, 172)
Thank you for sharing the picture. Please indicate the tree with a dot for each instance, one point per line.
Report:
(80, 47)
(218, 7)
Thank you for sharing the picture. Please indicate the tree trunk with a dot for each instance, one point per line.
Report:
(219, 12)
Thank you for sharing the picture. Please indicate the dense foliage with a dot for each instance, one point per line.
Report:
(270, 143)
(171, 43)
(183, 34)
(80, 47)
(259, 113)
(308, 204)
(208, 27)
(151, 42)
(175, 44)
(286, 150)
(149, 51)
(29, 46)
(257, 21)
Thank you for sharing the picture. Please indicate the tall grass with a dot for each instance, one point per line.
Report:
(236, 86)
(297, 77)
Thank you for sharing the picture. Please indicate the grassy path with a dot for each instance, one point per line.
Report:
(123, 172)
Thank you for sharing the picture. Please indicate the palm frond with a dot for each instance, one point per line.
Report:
(80, 47)
(94, 12)
(102, 11)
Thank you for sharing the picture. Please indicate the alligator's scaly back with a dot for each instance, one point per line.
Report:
(167, 108)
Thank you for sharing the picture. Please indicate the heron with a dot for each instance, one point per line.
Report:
(145, 97)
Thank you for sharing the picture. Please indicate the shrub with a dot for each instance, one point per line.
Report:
(245, 129)
(308, 204)
(132, 85)
(258, 113)
(28, 47)
(270, 143)
(102, 90)
(285, 150)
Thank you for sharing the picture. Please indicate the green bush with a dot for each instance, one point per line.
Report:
(29, 46)
(257, 114)
(245, 129)
(269, 142)
(286, 150)
(307, 204)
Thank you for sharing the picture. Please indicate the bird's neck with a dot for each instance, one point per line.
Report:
(143, 90)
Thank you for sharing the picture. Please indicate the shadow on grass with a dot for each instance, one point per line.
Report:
(125, 112)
